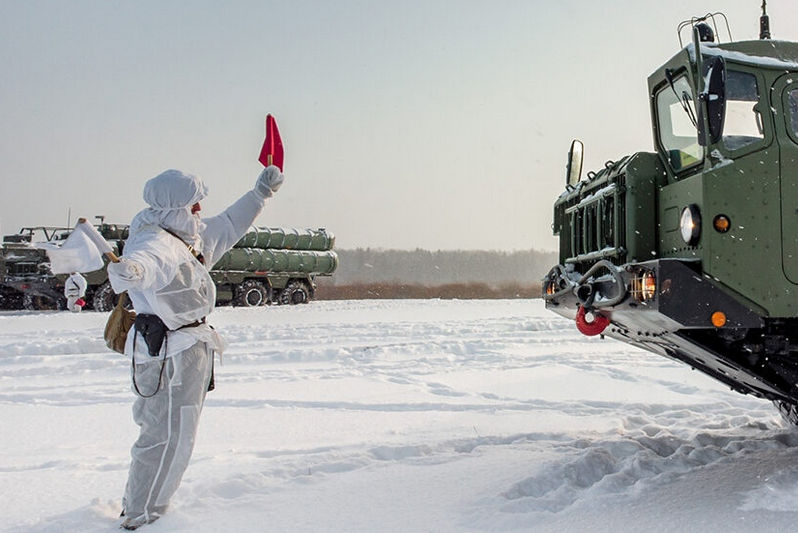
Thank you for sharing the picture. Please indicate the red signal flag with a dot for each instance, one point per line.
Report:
(272, 151)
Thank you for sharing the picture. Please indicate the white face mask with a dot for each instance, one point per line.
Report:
(179, 221)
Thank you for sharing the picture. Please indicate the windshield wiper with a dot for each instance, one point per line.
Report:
(685, 99)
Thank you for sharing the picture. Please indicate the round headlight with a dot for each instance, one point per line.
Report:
(690, 224)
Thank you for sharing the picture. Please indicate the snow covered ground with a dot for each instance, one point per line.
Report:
(396, 416)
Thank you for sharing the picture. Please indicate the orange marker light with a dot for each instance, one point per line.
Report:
(649, 286)
(550, 288)
(718, 319)
(721, 223)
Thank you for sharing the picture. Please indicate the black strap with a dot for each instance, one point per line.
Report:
(196, 253)
(133, 369)
(194, 324)
(212, 382)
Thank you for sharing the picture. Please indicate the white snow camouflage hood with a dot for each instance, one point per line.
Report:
(170, 196)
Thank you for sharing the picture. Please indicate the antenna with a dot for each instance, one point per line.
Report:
(764, 22)
(705, 30)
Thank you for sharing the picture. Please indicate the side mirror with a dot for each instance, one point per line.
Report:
(573, 171)
(712, 102)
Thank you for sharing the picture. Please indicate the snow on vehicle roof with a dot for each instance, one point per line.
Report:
(763, 54)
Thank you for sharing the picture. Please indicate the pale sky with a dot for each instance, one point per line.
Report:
(416, 124)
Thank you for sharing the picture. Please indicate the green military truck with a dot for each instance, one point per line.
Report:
(267, 266)
(22, 265)
(691, 251)
(25, 278)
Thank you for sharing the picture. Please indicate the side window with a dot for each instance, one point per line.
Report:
(792, 110)
(677, 130)
(743, 123)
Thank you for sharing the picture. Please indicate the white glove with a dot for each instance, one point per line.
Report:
(127, 271)
(268, 182)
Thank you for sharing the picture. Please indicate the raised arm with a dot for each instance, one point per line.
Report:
(224, 230)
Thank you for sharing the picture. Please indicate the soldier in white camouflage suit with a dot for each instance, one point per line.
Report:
(164, 269)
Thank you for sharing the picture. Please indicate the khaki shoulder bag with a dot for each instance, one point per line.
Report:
(119, 323)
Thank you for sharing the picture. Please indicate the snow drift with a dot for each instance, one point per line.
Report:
(397, 416)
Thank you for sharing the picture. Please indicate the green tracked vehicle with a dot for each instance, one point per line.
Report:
(691, 251)
(267, 266)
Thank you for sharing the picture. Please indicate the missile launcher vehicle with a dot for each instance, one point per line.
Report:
(274, 266)
(691, 251)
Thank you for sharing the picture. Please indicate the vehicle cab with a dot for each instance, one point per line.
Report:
(732, 179)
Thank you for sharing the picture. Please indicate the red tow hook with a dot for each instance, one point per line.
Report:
(599, 323)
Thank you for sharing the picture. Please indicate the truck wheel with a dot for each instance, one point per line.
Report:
(296, 292)
(37, 302)
(105, 298)
(11, 301)
(251, 293)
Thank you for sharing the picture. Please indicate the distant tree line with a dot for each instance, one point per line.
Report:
(370, 265)
(379, 273)
(447, 291)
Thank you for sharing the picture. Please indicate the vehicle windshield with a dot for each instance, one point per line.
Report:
(677, 131)
(743, 123)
